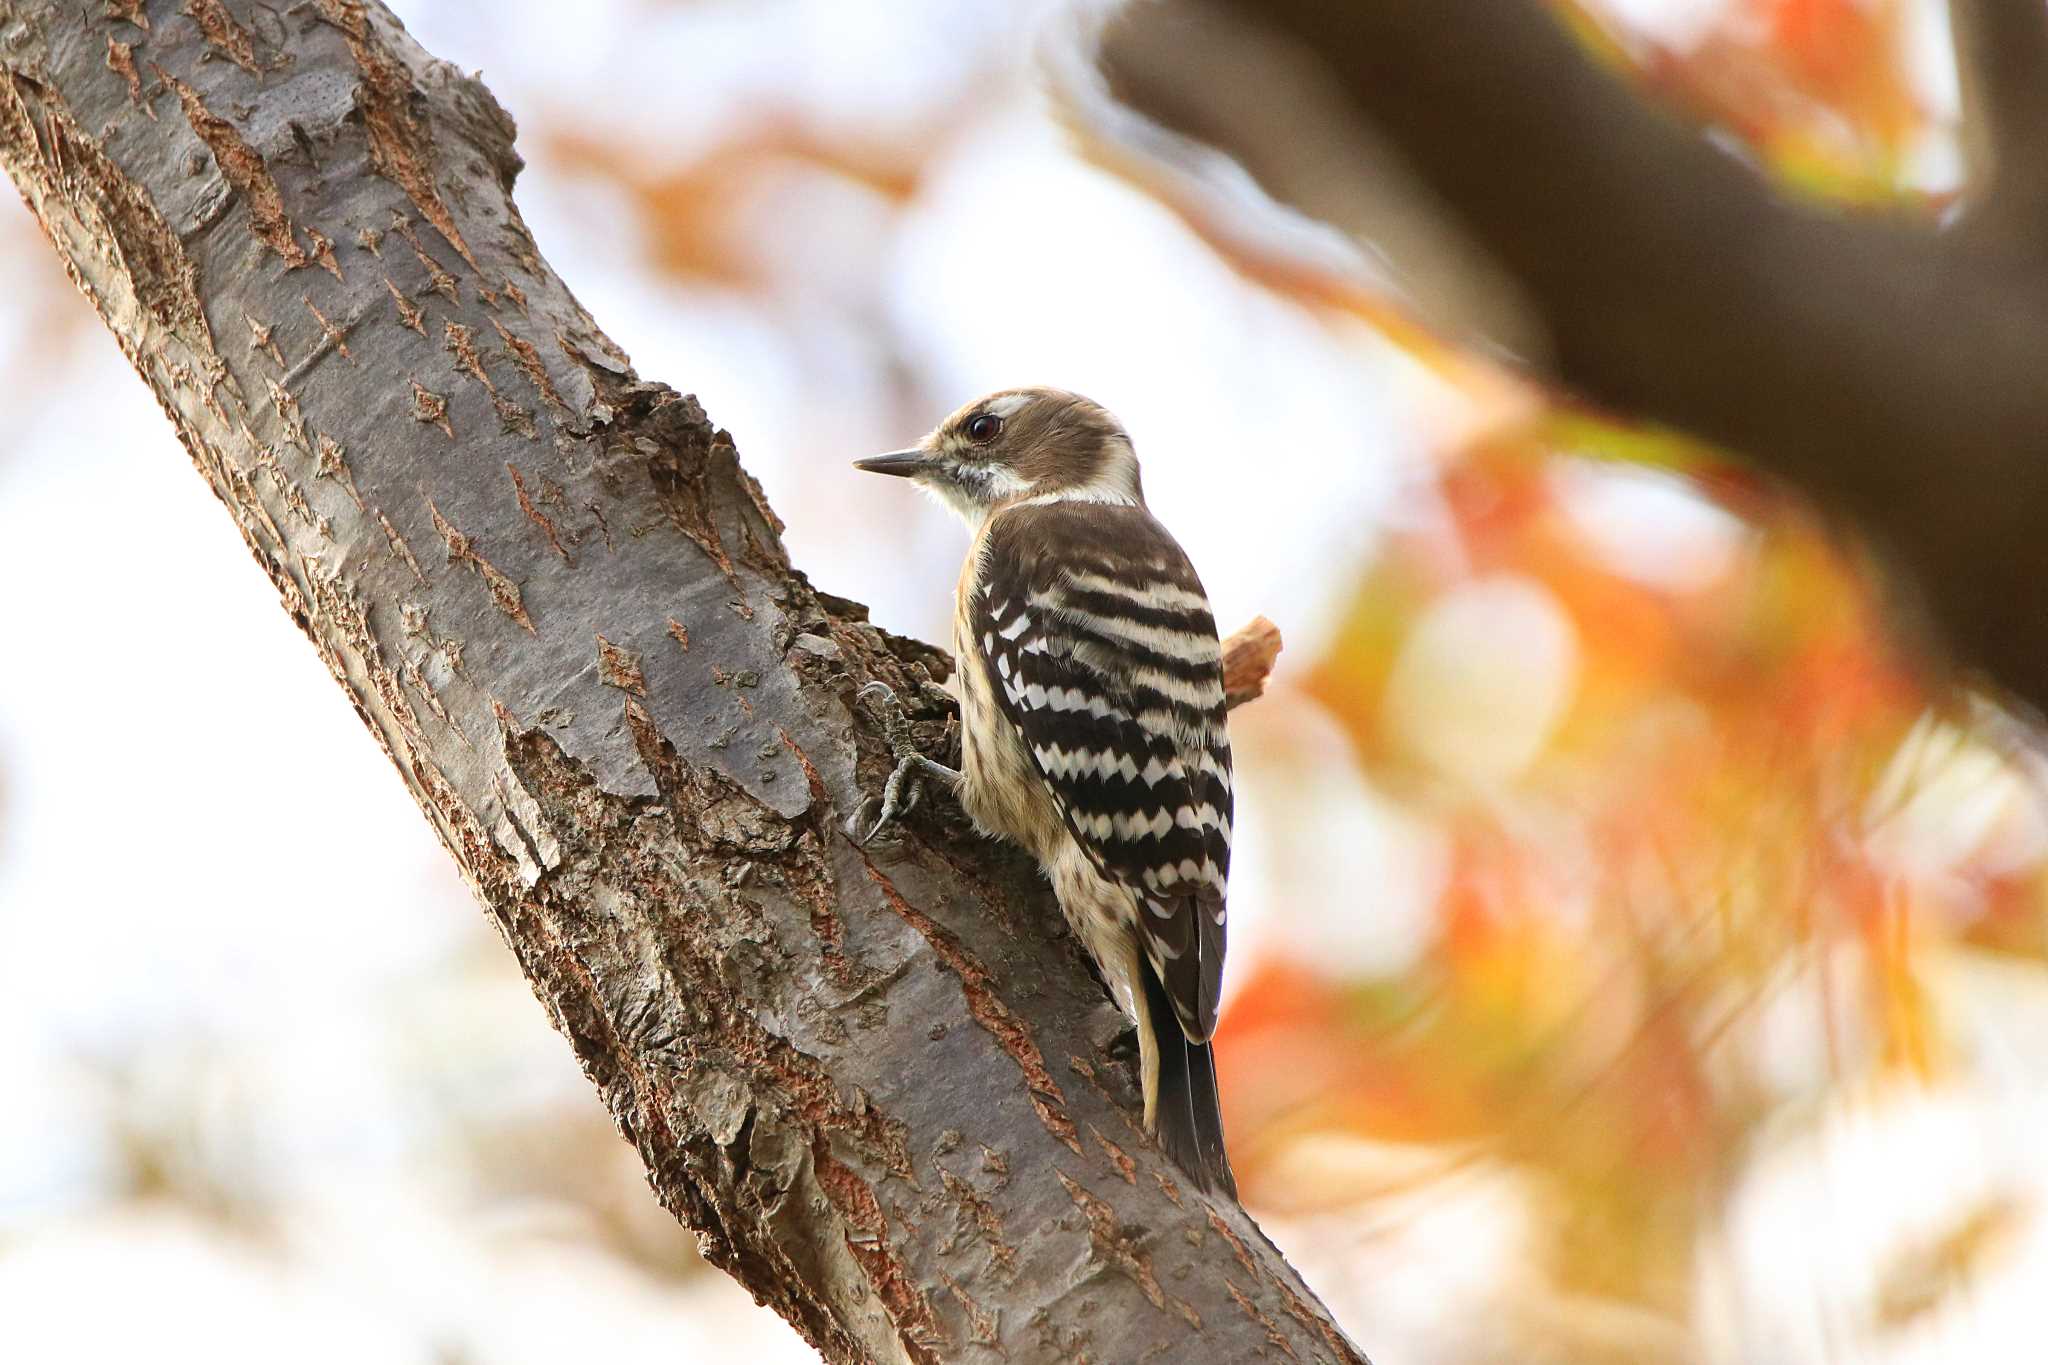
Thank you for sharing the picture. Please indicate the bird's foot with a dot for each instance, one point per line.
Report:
(914, 768)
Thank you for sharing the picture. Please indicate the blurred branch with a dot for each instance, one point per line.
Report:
(1891, 371)
(887, 1099)
(2002, 64)
(1205, 79)
(1248, 657)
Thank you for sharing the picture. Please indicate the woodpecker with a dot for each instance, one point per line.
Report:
(1090, 683)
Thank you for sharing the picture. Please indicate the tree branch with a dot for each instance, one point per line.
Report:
(1248, 657)
(1887, 370)
(878, 1082)
(1205, 78)
(2002, 64)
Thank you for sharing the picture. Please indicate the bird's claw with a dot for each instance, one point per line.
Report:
(906, 781)
(899, 797)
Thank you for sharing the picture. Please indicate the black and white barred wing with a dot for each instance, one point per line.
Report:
(1101, 643)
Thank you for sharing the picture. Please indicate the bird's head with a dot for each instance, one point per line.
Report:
(1020, 445)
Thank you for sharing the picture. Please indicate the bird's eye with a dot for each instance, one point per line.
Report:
(983, 428)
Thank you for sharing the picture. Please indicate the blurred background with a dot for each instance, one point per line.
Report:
(1630, 961)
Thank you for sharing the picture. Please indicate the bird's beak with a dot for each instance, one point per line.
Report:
(901, 463)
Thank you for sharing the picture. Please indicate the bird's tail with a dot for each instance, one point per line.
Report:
(1189, 1113)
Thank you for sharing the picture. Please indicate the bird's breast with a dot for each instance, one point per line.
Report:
(1000, 788)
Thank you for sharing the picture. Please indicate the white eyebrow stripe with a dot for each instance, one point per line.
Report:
(1008, 405)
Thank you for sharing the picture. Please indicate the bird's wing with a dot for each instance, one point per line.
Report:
(1096, 630)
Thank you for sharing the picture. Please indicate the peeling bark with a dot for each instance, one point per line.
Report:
(861, 1075)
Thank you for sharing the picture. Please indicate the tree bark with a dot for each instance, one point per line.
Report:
(1884, 365)
(880, 1083)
